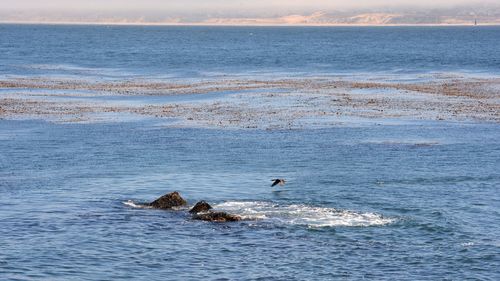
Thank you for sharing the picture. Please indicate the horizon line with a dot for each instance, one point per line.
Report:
(242, 25)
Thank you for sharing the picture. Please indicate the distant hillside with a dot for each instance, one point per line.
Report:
(370, 18)
(459, 16)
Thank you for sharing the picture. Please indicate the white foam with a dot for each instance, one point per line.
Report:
(132, 204)
(299, 214)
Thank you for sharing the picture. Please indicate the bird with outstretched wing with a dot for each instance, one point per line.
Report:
(278, 181)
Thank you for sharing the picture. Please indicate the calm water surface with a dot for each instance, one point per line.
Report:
(118, 51)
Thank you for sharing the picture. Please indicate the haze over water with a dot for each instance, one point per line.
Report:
(403, 199)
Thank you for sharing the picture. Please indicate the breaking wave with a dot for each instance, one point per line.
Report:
(299, 214)
(132, 204)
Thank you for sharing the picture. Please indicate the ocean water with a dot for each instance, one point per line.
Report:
(117, 51)
(415, 200)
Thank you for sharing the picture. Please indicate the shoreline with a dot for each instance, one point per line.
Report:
(243, 25)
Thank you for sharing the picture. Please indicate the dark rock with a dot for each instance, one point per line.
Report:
(168, 201)
(216, 217)
(200, 207)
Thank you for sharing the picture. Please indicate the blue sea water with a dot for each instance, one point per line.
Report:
(403, 201)
(204, 51)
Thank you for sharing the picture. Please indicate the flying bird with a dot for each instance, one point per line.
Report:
(278, 181)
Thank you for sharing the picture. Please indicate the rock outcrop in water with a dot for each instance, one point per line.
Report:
(201, 211)
(216, 217)
(169, 201)
(200, 207)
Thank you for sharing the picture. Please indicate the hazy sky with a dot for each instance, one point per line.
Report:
(221, 5)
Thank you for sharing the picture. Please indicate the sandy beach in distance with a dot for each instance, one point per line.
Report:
(247, 24)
